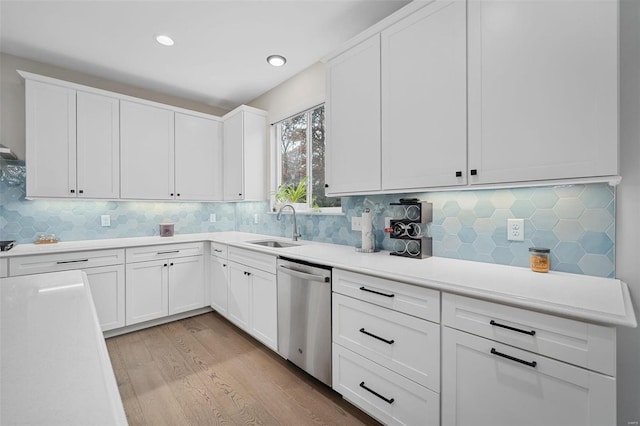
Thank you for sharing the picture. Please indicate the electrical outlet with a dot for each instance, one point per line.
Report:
(212, 218)
(515, 229)
(356, 223)
(387, 222)
(105, 220)
(256, 218)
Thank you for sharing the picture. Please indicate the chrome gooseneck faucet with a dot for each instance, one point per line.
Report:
(295, 234)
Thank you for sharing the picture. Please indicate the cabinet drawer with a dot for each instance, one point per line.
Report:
(219, 250)
(160, 252)
(488, 383)
(262, 261)
(576, 342)
(381, 393)
(407, 345)
(41, 263)
(410, 299)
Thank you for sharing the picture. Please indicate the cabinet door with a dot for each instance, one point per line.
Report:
(424, 98)
(50, 140)
(353, 120)
(233, 181)
(238, 297)
(543, 78)
(107, 289)
(147, 291)
(147, 152)
(484, 388)
(263, 317)
(186, 284)
(219, 284)
(98, 146)
(198, 146)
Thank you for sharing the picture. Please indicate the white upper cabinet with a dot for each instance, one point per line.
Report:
(147, 152)
(424, 98)
(245, 147)
(198, 158)
(353, 120)
(98, 146)
(50, 140)
(84, 142)
(543, 84)
(73, 142)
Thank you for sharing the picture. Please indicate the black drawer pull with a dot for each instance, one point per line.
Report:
(62, 262)
(217, 250)
(530, 333)
(387, 400)
(530, 364)
(168, 252)
(377, 292)
(389, 342)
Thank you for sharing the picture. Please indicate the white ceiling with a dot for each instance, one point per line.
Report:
(219, 56)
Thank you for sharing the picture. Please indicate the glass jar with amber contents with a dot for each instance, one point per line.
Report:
(539, 259)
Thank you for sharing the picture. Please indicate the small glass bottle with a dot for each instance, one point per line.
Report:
(539, 259)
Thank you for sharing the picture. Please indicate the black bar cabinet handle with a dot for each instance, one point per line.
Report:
(389, 342)
(168, 252)
(530, 333)
(62, 262)
(363, 288)
(387, 400)
(512, 358)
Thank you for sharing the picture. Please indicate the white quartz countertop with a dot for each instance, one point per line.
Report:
(596, 299)
(55, 367)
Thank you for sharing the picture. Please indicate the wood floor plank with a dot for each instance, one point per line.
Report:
(197, 402)
(205, 371)
(129, 399)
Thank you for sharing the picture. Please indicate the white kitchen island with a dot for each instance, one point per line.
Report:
(55, 368)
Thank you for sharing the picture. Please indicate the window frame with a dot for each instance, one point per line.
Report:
(276, 168)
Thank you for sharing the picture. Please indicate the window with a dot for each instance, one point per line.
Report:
(301, 154)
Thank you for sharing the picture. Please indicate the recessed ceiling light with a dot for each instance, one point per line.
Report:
(277, 60)
(164, 40)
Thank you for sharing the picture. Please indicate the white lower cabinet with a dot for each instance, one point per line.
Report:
(488, 383)
(386, 348)
(382, 393)
(238, 296)
(252, 298)
(107, 290)
(503, 365)
(263, 308)
(147, 291)
(186, 284)
(171, 284)
(253, 302)
(219, 285)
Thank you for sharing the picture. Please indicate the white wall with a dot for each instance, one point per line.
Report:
(12, 121)
(304, 90)
(628, 209)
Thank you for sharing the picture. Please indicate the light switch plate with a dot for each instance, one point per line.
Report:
(356, 223)
(515, 229)
(212, 218)
(105, 220)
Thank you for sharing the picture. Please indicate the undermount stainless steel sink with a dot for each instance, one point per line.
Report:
(273, 244)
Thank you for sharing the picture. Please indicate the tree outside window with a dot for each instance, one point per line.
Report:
(301, 154)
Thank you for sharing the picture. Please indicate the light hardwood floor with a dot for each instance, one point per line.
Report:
(205, 371)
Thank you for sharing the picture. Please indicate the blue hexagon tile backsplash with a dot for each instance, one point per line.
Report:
(576, 222)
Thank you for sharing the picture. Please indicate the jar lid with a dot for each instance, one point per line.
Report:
(539, 250)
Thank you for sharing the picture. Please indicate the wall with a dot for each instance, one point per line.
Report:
(12, 123)
(628, 198)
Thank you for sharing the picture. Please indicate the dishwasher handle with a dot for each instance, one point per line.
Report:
(304, 275)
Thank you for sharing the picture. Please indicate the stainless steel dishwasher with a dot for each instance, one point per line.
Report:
(304, 316)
